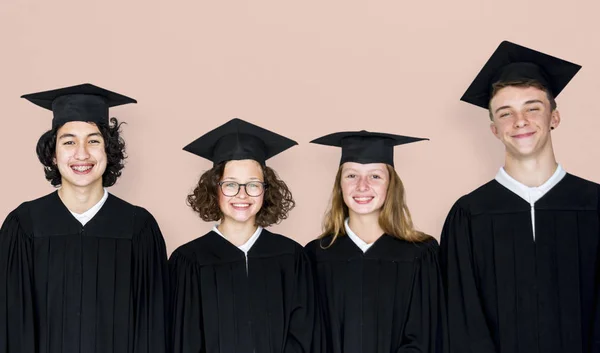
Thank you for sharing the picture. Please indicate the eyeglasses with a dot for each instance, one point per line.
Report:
(232, 188)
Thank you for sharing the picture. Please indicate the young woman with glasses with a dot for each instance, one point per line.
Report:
(241, 288)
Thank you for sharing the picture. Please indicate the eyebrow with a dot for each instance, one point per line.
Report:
(72, 135)
(65, 136)
(236, 179)
(534, 101)
(368, 171)
(502, 107)
(528, 102)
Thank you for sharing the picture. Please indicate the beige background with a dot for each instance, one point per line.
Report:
(301, 68)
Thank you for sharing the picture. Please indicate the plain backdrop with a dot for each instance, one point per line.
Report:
(300, 68)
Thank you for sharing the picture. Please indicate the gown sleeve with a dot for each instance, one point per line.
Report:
(17, 332)
(186, 305)
(305, 312)
(426, 320)
(468, 331)
(319, 341)
(596, 328)
(150, 288)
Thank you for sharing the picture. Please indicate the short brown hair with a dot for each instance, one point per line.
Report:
(394, 218)
(278, 200)
(524, 83)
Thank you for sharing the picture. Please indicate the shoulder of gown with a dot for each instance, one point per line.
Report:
(490, 197)
(192, 250)
(20, 218)
(144, 224)
(277, 244)
(318, 243)
(571, 193)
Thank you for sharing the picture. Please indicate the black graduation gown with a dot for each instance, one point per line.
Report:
(510, 293)
(221, 304)
(386, 300)
(70, 288)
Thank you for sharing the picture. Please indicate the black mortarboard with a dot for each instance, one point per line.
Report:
(238, 139)
(84, 102)
(512, 62)
(366, 147)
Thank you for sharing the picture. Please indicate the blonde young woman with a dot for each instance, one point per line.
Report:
(378, 279)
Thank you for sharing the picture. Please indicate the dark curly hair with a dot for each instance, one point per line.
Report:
(278, 201)
(114, 147)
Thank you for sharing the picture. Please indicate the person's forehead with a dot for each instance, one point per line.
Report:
(364, 167)
(242, 167)
(78, 128)
(512, 93)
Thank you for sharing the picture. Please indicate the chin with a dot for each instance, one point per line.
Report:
(83, 183)
(524, 152)
(242, 218)
(364, 212)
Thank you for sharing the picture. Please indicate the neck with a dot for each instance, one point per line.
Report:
(533, 171)
(237, 233)
(80, 199)
(366, 227)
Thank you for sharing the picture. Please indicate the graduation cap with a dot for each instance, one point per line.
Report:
(238, 139)
(84, 102)
(366, 147)
(512, 62)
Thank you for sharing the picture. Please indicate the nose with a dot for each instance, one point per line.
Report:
(362, 184)
(242, 193)
(520, 120)
(81, 153)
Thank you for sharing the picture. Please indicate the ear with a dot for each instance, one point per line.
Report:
(494, 129)
(555, 119)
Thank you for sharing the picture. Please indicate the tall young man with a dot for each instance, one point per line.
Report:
(520, 254)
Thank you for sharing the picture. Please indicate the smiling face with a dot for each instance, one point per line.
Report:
(364, 187)
(80, 155)
(522, 120)
(241, 208)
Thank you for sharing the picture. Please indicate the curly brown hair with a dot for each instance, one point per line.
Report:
(278, 200)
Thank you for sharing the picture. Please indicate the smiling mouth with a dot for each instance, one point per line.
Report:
(363, 200)
(82, 169)
(524, 135)
(240, 206)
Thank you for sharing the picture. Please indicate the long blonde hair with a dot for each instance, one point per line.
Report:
(394, 218)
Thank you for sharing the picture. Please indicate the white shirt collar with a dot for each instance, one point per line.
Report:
(248, 244)
(355, 238)
(530, 194)
(86, 216)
